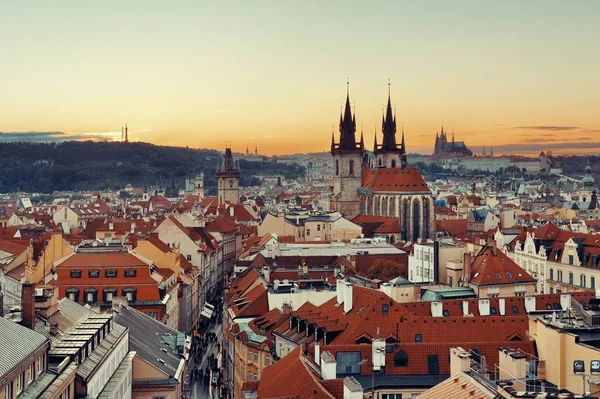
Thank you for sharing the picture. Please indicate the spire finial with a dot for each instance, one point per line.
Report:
(347, 87)
(389, 89)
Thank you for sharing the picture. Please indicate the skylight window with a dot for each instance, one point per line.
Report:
(508, 275)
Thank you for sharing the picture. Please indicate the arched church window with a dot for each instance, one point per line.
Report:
(393, 163)
(426, 211)
(405, 218)
(416, 220)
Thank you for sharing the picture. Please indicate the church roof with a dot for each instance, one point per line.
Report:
(394, 179)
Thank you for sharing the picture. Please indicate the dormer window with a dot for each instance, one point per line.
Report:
(91, 295)
(94, 273)
(73, 294)
(110, 273)
(75, 273)
(130, 294)
(130, 273)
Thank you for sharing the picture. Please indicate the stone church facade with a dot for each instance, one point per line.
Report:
(388, 188)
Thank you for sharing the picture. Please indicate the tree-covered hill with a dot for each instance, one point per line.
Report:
(87, 165)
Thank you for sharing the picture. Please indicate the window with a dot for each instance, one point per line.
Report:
(391, 395)
(307, 232)
(560, 275)
(337, 167)
(348, 363)
(110, 273)
(418, 338)
(551, 274)
(255, 356)
(130, 273)
(433, 364)
(249, 376)
(31, 372)
(493, 310)
(75, 273)
(401, 359)
(109, 294)
(189, 258)
(351, 166)
(159, 397)
(552, 290)
(20, 382)
(94, 273)
(8, 390)
(130, 294)
(508, 275)
(73, 294)
(90, 295)
(515, 309)
(593, 282)
(571, 278)
(582, 280)
(385, 308)
(571, 259)
(318, 227)
(267, 361)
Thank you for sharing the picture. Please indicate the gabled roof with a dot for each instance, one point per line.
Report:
(291, 377)
(394, 179)
(492, 267)
(17, 343)
(221, 225)
(459, 386)
(148, 337)
(549, 231)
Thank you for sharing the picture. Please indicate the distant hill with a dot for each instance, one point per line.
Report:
(87, 165)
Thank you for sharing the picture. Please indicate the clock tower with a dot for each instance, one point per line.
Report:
(228, 180)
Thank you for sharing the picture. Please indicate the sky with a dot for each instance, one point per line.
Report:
(520, 76)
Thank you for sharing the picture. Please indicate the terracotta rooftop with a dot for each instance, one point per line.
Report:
(394, 179)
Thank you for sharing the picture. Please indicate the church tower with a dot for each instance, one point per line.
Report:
(228, 180)
(389, 154)
(348, 163)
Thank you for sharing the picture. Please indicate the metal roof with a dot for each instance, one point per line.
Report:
(17, 343)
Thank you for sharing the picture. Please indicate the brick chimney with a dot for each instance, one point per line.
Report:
(28, 305)
(460, 360)
(467, 267)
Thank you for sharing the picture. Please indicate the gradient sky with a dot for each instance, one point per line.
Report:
(518, 75)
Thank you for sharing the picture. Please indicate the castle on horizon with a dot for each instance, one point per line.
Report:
(445, 148)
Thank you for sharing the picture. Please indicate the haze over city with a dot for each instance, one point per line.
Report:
(519, 76)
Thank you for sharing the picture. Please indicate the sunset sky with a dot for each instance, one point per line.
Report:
(519, 75)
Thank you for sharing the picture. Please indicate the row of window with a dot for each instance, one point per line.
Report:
(110, 273)
(25, 379)
(90, 295)
(582, 279)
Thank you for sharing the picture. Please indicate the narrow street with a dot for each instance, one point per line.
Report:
(198, 387)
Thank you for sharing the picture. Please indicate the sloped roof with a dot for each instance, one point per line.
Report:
(459, 386)
(394, 179)
(148, 337)
(17, 343)
(492, 267)
(291, 377)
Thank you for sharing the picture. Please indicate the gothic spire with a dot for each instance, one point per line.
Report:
(388, 126)
(375, 144)
(348, 126)
(362, 139)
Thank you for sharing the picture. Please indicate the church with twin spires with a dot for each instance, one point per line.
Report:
(387, 187)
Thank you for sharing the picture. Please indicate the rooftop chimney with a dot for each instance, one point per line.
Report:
(386, 288)
(565, 301)
(467, 268)
(340, 288)
(28, 305)
(465, 307)
(513, 366)
(437, 309)
(347, 297)
(460, 360)
(484, 307)
(352, 389)
(328, 366)
(378, 353)
(530, 304)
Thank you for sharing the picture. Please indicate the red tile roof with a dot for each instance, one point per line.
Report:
(454, 227)
(394, 179)
(492, 267)
(291, 377)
